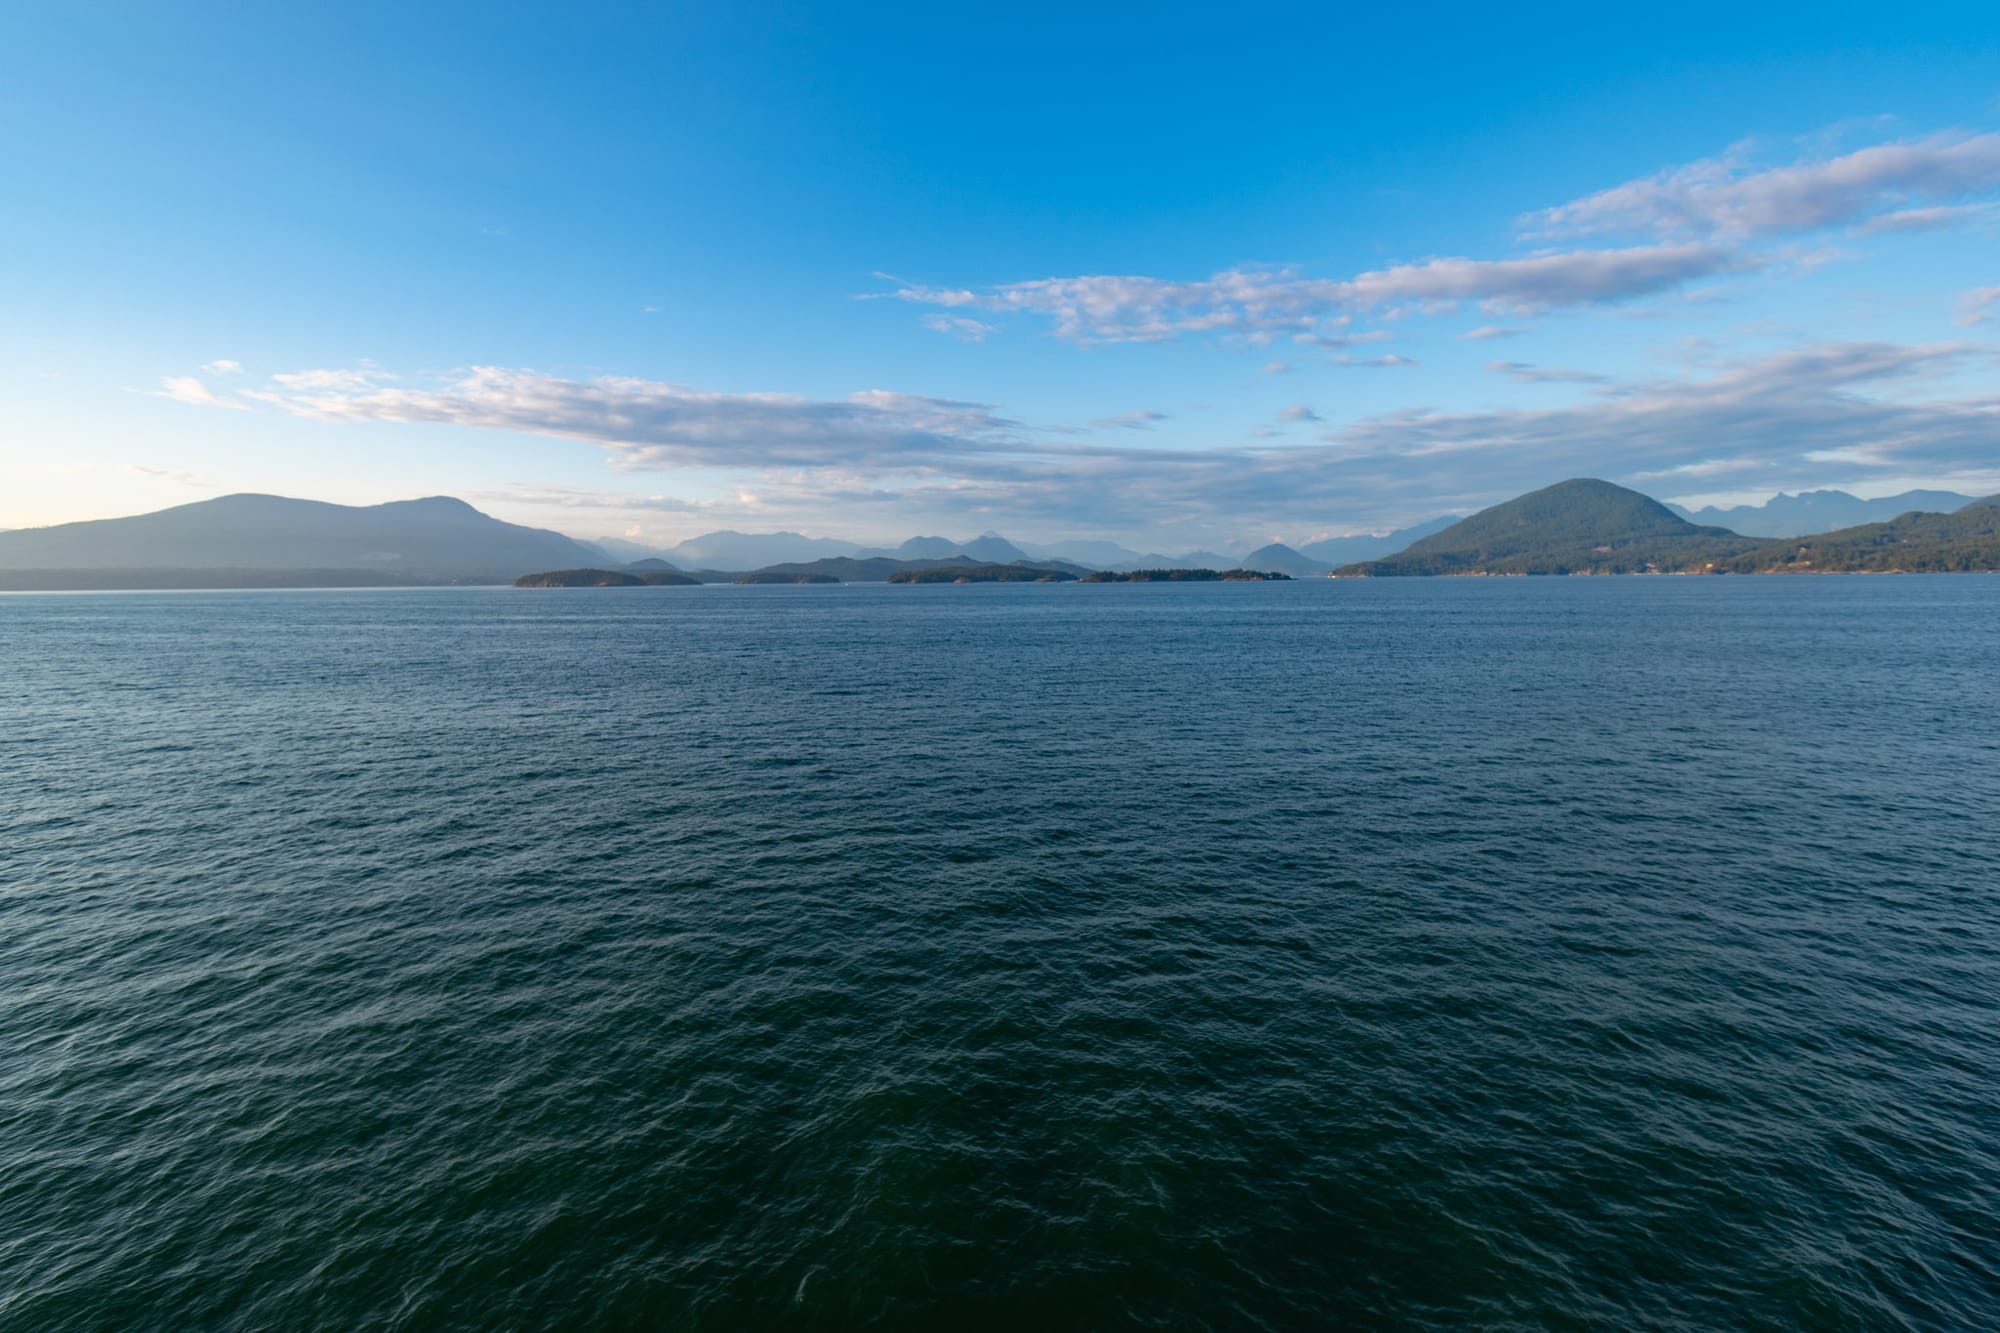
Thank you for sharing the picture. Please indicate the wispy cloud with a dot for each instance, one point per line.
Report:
(1274, 302)
(223, 367)
(570, 497)
(330, 379)
(1139, 420)
(1524, 373)
(1685, 225)
(1836, 413)
(1926, 219)
(1729, 197)
(1490, 332)
(959, 327)
(1977, 306)
(187, 479)
(187, 389)
(1297, 412)
(647, 423)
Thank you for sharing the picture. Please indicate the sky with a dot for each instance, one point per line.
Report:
(1177, 276)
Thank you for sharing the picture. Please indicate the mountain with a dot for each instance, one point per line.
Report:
(438, 539)
(1574, 527)
(1093, 554)
(628, 552)
(1282, 558)
(1818, 511)
(1333, 551)
(1914, 543)
(752, 550)
(927, 548)
(992, 549)
(1185, 560)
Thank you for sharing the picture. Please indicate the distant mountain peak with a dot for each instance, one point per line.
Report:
(438, 537)
(1284, 560)
(1796, 515)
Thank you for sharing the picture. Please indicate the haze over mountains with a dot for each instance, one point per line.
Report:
(1576, 526)
(1819, 511)
(729, 549)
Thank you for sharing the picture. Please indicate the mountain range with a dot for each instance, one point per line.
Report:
(731, 550)
(1578, 526)
(1586, 526)
(273, 539)
(1819, 511)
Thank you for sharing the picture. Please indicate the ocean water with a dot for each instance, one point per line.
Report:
(1583, 953)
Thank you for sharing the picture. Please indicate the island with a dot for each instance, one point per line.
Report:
(605, 578)
(982, 574)
(784, 576)
(1186, 576)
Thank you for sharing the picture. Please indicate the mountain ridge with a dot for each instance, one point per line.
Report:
(1809, 512)
(438, 537)
(1588, 526)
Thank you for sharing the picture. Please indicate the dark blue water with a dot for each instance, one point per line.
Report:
(1432, 954)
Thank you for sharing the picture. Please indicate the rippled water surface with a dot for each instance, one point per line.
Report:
(1524, 953)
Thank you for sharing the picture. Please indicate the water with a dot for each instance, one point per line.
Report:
(1504, 954)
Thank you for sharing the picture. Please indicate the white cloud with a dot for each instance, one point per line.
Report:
(329, 379)
(223, 367)
(1704, 220)
(1728, 197)
(1830, 414)
(1252, 303)
(187, 389)
(647, 424)
(1926, 219)
(959, 327)
(1489, 332)
(567, 497)
(1277, 368)
(1298, 412)
(1374, 362)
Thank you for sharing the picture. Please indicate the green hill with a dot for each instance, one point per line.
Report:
(1582, 526)
(1914, 543)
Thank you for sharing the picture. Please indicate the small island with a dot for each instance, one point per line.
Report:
(1185, 576)
(785, 576)
(605, 578)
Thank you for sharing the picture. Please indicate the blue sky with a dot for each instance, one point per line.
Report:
(1178, 276)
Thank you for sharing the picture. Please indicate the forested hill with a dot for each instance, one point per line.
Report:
(1915, 543)
(1573, 527)
(1594, 527)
